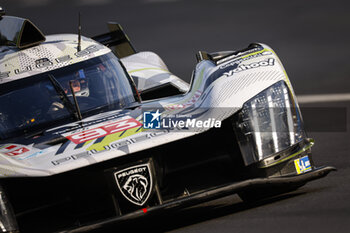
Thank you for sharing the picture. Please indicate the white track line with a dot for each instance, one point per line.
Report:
(304, 99)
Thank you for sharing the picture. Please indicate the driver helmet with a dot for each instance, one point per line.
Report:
(79, 85)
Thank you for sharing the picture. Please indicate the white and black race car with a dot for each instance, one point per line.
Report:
(93, 133)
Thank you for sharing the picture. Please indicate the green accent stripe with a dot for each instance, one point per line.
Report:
(251, 54)
(151, 68)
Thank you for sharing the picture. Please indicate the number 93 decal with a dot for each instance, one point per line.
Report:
(103, 130)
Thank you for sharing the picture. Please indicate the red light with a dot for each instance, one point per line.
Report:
(144, 210)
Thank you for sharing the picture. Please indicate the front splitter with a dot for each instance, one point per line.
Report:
(211, 194)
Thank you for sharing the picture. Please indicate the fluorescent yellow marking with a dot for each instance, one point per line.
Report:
(305, 148)
(113, 138)
(296, 163)
(278, 60)
(284, 71)
(200, 80)
(251, 54)
(151, 68)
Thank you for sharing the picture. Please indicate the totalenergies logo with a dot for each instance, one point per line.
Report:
(13, 150)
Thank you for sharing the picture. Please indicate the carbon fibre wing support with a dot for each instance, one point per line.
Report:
(117, 40)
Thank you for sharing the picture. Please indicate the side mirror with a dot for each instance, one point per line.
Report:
(19, 32)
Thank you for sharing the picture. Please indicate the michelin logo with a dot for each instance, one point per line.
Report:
(302, 165)
(240, 68)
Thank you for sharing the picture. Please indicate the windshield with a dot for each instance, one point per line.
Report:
(36, 103)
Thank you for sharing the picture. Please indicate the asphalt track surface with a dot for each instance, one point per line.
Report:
(312, 40)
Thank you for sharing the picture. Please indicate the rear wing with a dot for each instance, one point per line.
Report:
(117, 40)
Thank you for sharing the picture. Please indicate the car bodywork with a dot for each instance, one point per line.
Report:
(236, 128)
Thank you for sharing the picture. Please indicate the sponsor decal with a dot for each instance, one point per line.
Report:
(63, 59)
(240, 68)
(187, 103)
(44, 62)
(73, 157)
(18, 151)
(302, 164)
(113, 146)
(10, 147)
(4, 74)
(135, 183)
(35, 154)
(238, 55)
(13, 150)
(247, 57)
(119, 144)
(103, 130)
(25, 69)
(74, 127)
(88, 50)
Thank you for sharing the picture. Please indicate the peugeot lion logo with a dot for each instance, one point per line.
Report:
(136, 186)
(135, 183)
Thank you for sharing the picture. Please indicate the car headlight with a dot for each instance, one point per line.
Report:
(268, 124)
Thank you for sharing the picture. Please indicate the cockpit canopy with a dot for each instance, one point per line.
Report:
(35, 103)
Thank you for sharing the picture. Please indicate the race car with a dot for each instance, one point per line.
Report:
(93, 132)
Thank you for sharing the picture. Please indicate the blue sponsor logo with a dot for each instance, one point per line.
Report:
(151, 120)
(302, 165)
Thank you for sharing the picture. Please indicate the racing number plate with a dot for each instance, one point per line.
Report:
(104, 130)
